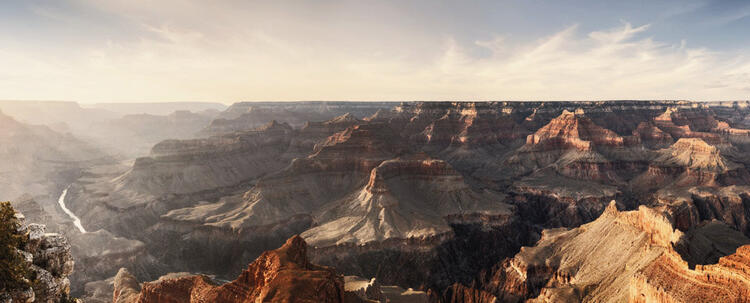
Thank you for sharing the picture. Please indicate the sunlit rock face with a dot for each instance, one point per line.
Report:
(692, 162)
(411, 197)
(621, 256)
(435, 195)
(281, 275)
(669, 279)
(572, 130)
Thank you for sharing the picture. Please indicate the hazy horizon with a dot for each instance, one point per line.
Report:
(119, 51)
(228, 103)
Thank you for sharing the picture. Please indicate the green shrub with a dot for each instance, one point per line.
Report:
(14, 271)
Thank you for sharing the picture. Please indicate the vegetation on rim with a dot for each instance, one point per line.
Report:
(14, 272)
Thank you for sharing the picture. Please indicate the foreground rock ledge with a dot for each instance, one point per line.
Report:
(281, 275)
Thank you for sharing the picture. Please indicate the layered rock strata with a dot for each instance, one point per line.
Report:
(281, 275)
(620, 256)
(669, 279)
(428, 183)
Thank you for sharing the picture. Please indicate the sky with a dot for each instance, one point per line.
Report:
(229, 51)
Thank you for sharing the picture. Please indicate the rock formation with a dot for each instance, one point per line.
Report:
(48, 257)
(619, 256)
(691, 162)
(184, 166)
(428, 195)
(669, 279)
(281, 275)
(436, 196)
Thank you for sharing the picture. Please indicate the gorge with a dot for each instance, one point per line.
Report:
(606, 201)
(76, 220)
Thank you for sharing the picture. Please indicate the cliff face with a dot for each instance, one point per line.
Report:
(428, 194)
(669, 279)
(281, 275)
(202, 164)
(48, 257)
(437, 196)
(691, 162)
(620, 256)
(572, 130)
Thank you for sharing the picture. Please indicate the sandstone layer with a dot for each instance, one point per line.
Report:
(281, 275)
(428, 194)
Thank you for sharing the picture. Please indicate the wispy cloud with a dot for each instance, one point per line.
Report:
(242, 55)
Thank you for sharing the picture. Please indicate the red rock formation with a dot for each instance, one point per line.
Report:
(669, 279)
(691, 205)
(568, 143)
(691, 162)
(470, 125)
(281, 275)
(651, 135)
(126, 288)
(596, 262)
(437, 196)
(360, 197)
(571, 130)
(688, 124)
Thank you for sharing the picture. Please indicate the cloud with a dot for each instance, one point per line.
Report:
(243, 54)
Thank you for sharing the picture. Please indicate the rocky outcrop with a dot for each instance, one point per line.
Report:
(126, 287)
(691, 162)
(696, 154)
(561, 266)
(438, 196)
(99, 255)
(572, 130)
(555, 201)
(48, 257)
(689, 123)
(652, 136)
(669, 279)
(569, 169)
(430, 193)
(690, 206)
(572, 145)
(281, 275)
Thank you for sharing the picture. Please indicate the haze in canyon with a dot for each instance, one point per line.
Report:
(389, 151)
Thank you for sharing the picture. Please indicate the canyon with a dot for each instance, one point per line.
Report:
(600, 201)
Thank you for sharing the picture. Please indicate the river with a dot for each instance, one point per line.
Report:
(76, 220)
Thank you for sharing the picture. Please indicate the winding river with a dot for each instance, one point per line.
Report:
(76, 220)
